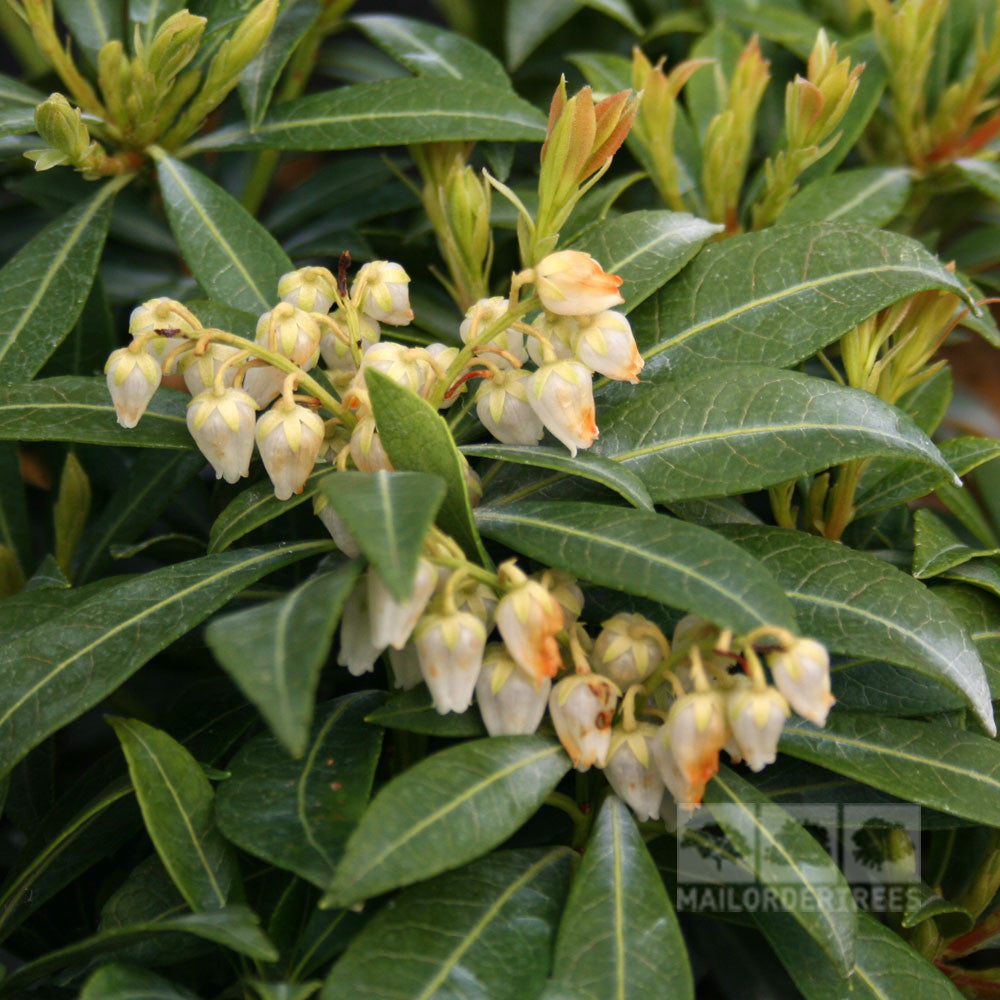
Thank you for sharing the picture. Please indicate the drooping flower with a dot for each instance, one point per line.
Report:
(756, 719)
(483, 314)
(381, 291)
(802, 675)
(503, 407)
(582, 707)
(562, 395)
(357, 650)
(222, 426)
(572, 283)
(696, 731)
(289, 439)
(392, 621)
(337, 352)
(628, 649)
(132, 378)
(509, 701)
(529, 619)
(308, 288)
(632, 772)
(607, 345)
(450, 646)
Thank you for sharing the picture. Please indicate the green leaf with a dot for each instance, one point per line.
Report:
(58, 670)
(529, 22)
(429, 50)
(936, 548)
(736, 428)
(74, 408)
(235, 927)
(646, 249)
(387, 113)
(933, 765)
(858, 605)
(982, 573)
(69, 512)
(780, 852)
(413, 712)
(93, 23)
(619, 936)
(298, 814)
(777, 296)
(416, 439)
(130, 982)
(44, 286)
(14, 530)
(14, 93)
(585, 464)
(389, 514)
(652, 555)
(257, 505)
(223, 317)
(177, 804)
(232, 256)
(923, 903)
(258, 80)
(482, 931)
(149, 15)
(979, 615)
(865, 196)
(982, 175)
(446, 810)
(778, 22)
(274, 652)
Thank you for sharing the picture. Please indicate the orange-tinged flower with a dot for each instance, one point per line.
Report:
(529, 619)
(572, 283)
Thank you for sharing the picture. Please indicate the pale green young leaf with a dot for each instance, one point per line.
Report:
(149, 15)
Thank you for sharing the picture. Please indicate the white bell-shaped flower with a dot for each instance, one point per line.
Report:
(381, 291)
(199, 370)
(450, 646)
(629, 648)
(562, 395)
(559, 333)
(392, 621)
(291, 332)
(698, 730)
(632, 772)
(161, 314)
(605, 343)
(502, 405)
(582, 707)
(479, 317)
(802, 674)
(510, 703)
(222, 427)
(264, 383)
(309, 288)
(756, 719)
(405, 665)
(133, 376)
(336, 351)
(289, 437)
(572, 283)
(366, 447)
(685, 793)
(564, 588)
(529, 619)
(406, 366)
(334, 524)
(357, 651)
(694, 630)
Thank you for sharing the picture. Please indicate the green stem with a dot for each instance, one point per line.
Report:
(21, 42)
(581, 821)
(841, 508)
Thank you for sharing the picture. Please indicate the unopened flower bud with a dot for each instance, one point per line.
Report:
(289, 439)
(529, 619)
(562, 395)
(174, 45)
(606, 344)
(222, 427)
(250, 37)
(450, 647)
(582, 707)
(560, 335)
(629, 648)
(510, 703)
(199, 369)
(632, 772)
(308, 288)
(756, 719)
(132, 377)
(694, 630)
(392, 621)
(291, 332)
(697, 731)
(366, 447)
(61, 126)
(357, 651)
(333, 523)
(802, 674)
(572, 283)
(480, 316)
(503, 407)
(381, 291)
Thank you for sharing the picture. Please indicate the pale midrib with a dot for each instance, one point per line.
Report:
(102, 28)
(216, 888)
(865, 193)
(450, 806)
(281, 650)
(69, 404)
(477, 929)
(394, 29)
(368, 116)
(620, 964)
(614, 266)
(121, 626)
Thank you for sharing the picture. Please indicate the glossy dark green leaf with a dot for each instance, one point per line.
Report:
(651, 555)
(258, 80)
(776, 296)
(982, 573)
(224, 317)
(780, 852)
(14, 93)
(936, 548)
(979, 615)
(230, 254)
(732, 429)
(865, 196)
(416, 439)
(859, 605)
(14, 530)
(256, 505)
(933, 765)
(388, 113)
(429, 50)
(619, 937)
(413, 711)
(446, 810)
(177, 804)
(645, 248)
(118, 981)
(93, 23)
(74, 408)
(483, 932)
(58, 670)
(44, 286)
(274, 652)
(982, 175)
(585, 464)
(923, 903)
(389, 514)
(298, 814)
(234, 927)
